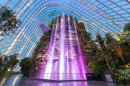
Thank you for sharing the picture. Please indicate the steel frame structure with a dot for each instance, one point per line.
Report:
(98, 15)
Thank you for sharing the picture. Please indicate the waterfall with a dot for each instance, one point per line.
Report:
(62, 46)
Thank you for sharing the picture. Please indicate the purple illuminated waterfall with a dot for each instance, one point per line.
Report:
(62, 46)
(49, 69)
(64, 60)
(82, 66)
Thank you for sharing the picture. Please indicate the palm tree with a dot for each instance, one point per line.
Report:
(124, 37)
(114, 45)
(103, 50)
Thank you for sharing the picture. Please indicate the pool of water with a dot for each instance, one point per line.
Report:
(26, 82)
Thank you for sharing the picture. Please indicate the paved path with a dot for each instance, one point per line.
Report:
(13, 80)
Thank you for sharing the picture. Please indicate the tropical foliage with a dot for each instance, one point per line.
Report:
(107, 53)
(101, 54)
(8, 20)
(113, 51)
(7, 63)
(94, 56)
(42, 45)
(44, 41)
(124, 39)
(51, 24)
(26, 65)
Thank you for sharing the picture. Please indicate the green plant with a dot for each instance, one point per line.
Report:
(114, 45)
(124, 36)
(124, 39)
(97, 66)
(51, 24)
(95, 58)
(126, 29)
(26, 65)
(44, 41)
(122, 76)
(7, 63)
(8, 20)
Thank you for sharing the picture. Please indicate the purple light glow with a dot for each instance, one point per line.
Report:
(51, 55)
(64, 54)
(42, 76)
(62, 45)
(80, 54)
(44, 28)
(71, 47)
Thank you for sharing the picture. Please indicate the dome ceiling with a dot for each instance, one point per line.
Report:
(99, 16)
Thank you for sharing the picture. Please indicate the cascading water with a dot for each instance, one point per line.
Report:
(62, 46)
(71, 47)
(48, 70)
(80, 54)
(64, 61)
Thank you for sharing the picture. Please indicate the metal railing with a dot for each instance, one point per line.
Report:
(59, 76)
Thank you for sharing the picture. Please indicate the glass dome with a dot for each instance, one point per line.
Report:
(99, 16)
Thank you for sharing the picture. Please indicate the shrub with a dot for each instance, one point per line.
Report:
(26, 66)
